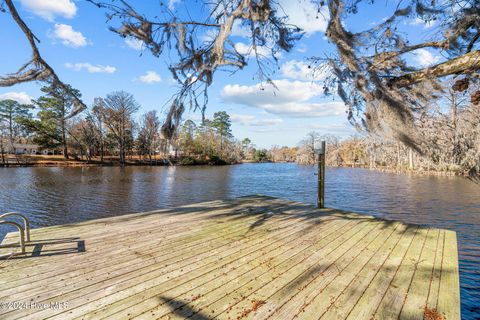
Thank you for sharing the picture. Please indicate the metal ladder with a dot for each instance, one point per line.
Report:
(24, 232)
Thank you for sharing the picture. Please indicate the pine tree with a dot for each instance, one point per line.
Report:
(10, 113)
(222, 124)
(51, 127)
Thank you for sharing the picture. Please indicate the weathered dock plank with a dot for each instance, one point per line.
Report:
(249, 258)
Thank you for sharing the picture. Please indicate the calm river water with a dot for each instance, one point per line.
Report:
(52, 196)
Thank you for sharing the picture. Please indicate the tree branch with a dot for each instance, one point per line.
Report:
(40, 70)
(390, 54)
(462, 64)
(472, 42)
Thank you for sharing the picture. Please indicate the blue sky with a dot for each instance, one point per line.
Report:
(76, 42)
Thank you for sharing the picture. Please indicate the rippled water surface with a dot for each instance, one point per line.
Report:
(61, 195)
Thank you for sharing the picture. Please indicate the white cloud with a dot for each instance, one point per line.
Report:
(291, 98)
(247, 50)
(90, 67)
(307, 110)
(249, 120)
(300, 70)
(288, 91)
(171, 4)
(21, 97)
(304, 14)
(49, 9)
(150, 77)
(68, 36)
(425, 58)
(134, 43)
(425, 24)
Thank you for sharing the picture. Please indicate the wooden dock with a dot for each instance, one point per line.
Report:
(249, 258)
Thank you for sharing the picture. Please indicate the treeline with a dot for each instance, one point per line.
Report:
(210, 142)
(449, 135)
(109, 132)
(450, 144)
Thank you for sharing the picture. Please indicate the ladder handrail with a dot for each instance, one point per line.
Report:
(25, 222)
(22, 236)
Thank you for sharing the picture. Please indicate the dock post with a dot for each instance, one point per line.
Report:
(321, 176)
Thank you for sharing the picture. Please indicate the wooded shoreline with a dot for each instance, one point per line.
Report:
(59, 161)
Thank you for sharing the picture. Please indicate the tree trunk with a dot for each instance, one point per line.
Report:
(102, 147)
(121, 154)
(122, 141)
(2, 150)
(64, 141)
(398, 157)
(10, 134)
(65, 151)
(454, 127)
(101, 151)
(410, 159)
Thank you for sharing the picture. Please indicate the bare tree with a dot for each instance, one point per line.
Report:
(306, 152)
(85, 136)
(148, 137)
(96, 118)
(118, 109)
(10, 111)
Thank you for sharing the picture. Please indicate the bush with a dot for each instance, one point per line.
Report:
(260, 156)
(217, 161)
(188, 161)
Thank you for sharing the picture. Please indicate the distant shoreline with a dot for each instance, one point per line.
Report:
(83, 164)
(45, 161)
(59, 161)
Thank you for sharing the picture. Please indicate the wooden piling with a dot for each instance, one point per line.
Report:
(321, 176)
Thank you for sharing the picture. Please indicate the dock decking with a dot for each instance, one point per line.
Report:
(249, 258)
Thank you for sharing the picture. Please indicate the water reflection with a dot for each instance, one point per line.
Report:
(52, 196)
